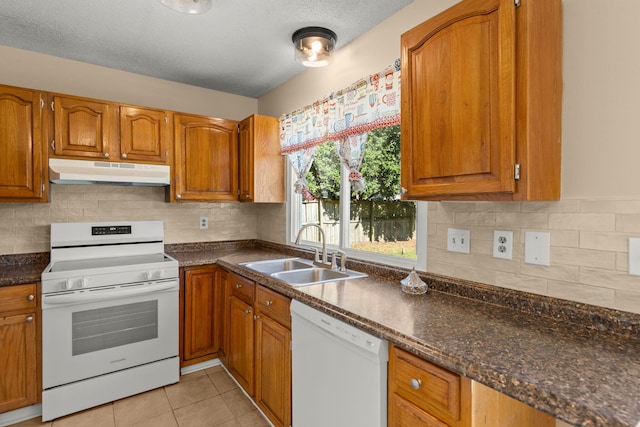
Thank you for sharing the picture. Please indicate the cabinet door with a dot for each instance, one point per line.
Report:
(18, 379)
(458, 101)
(246, 144)
(145, 134)
(273, 370)
(206, 158)
(22, 147)
(85, 128)
(241, 346)
(261, 164)
(202, 315)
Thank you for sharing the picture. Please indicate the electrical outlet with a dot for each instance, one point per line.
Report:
(503, 244)
(458, 240)
(204, 222)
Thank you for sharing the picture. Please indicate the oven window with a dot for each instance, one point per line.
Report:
(102, 328)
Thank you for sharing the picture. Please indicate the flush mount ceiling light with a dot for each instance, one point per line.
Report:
(313, 46)
(192, 7)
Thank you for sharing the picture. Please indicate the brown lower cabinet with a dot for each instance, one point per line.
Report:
(258, 346)
(19, 350)
(422, 394)
(203, 296)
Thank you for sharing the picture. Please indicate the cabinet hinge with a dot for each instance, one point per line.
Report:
(516, 172)
(517, 3)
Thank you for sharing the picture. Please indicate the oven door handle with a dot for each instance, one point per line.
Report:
(119, 292)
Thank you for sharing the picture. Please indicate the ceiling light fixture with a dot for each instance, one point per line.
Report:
(313, 46)
(192, 7)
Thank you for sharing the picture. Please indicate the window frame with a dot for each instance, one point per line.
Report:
(293, 225)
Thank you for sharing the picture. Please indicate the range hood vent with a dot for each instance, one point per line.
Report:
(64, 171)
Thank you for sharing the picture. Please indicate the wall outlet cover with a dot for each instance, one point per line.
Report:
(537, 248)
(204, 222)
(634, 256)
(503, 244)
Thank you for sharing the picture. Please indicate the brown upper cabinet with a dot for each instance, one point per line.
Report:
(23, 151)
(261, 164)
(91, 129)
(482, 102)
(206, 159)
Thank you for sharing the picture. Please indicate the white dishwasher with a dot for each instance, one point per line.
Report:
(339, 372)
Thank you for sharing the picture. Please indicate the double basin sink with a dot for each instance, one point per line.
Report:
(299, 271)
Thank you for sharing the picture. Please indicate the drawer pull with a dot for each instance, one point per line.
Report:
(247, 311)
(31, 297)
(238, 285)
(29, 319)
(268, 303)
(415, 383)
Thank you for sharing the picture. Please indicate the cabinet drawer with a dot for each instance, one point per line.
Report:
(426, 385)
(18, 297)
(273, 305)
(243, 288)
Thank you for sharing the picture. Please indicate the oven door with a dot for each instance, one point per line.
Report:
(93, 332)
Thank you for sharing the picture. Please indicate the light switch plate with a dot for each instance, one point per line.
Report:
(634, 256)
(537, 248)
(458, 240)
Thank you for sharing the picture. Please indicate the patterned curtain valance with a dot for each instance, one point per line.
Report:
(368, 104)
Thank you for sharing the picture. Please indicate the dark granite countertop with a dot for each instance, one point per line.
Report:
(576, 362)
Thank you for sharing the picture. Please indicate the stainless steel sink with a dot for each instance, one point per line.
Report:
(299, 271)
(277, 265)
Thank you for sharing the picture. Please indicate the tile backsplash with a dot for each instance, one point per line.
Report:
(24, 227)
(589, 238)
(589, 248)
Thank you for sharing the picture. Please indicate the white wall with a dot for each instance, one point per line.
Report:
(600, 206)
(45, 72)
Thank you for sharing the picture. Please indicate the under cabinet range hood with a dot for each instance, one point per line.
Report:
(65, 171)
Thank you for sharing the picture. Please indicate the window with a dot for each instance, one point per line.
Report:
(380, 226)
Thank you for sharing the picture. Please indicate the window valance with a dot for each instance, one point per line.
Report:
(344, 117)
(368, 104)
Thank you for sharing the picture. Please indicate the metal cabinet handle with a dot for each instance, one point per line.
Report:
(247, 311)
(29, 319)
(31, 297)
(268, 303)
(256, 317)
(415, 383)
(124, 155)
(238, 285)
(106, 155)
(178, 196)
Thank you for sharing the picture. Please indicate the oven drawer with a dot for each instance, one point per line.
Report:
(19, 297)
(243, 288)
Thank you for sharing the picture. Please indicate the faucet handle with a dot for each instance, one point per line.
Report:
(343, 260)
(316, 257)
(334, 265)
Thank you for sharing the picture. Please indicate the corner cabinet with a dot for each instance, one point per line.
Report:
(23, 151)
(422, 394)
(482, 102)
(261, 164)
(19, 331)
(206, 159)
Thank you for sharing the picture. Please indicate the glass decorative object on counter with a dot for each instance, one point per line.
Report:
(413, 284)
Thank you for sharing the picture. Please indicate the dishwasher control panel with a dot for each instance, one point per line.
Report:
(338, 328)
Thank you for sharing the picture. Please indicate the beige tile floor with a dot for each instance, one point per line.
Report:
(203, 398)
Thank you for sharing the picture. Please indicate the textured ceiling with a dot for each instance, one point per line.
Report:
(240, 46)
